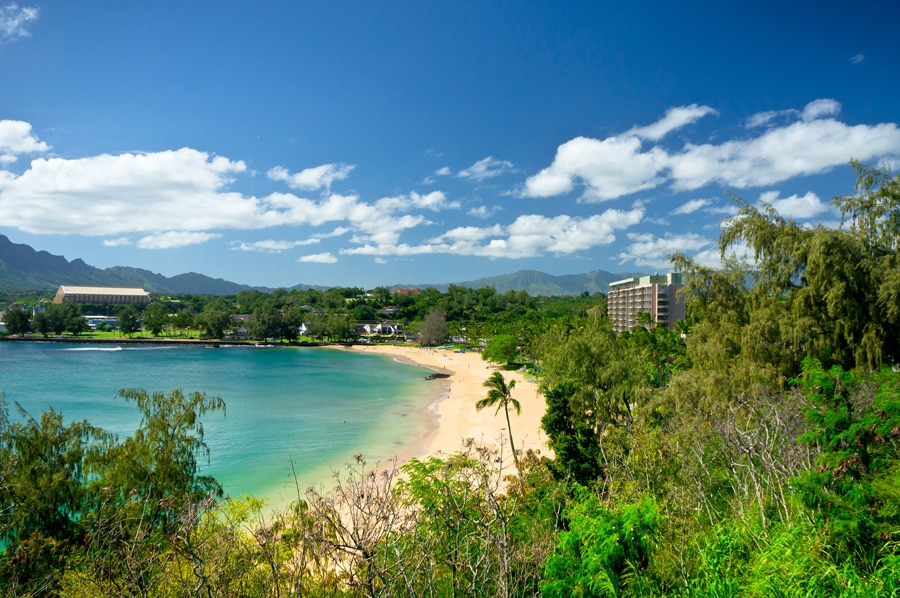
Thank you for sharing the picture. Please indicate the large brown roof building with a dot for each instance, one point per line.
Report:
(101, 295)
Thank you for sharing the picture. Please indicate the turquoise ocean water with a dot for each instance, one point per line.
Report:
(315, 406)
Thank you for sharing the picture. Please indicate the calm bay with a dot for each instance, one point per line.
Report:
(313, 407)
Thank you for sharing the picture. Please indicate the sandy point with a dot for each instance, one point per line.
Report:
(458, 421)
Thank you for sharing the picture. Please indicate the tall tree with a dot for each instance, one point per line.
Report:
(129, 320)
(16, 319)
(156, 318)
(215, 321)
(608, 380)
(433, 328)
(503, 348)
(831, 294)
(500, 394)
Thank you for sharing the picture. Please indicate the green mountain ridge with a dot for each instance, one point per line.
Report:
(535, 282)
(24, 269)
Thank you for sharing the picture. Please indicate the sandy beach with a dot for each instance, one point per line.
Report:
(457, 420)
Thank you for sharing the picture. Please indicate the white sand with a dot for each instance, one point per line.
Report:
(457, 418)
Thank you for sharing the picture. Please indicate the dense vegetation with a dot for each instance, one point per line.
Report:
(751, 452)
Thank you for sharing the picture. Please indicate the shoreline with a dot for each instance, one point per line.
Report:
(450, 418)
(454, 419)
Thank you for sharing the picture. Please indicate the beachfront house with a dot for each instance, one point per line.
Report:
(381, 328)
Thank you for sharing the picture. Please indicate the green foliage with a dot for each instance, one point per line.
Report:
(603, 551)
(608, 380)
(215, 320)
(129, 320)
(836, 291)
(16, 319)
(503, 348)
(662, 350)
(46, 471)
(73, 493)
(156, 318)
(500, 394)
(572, 440)
(432, 330)
(158, 464)
(856, 423)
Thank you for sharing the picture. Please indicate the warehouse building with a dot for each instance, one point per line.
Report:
(101, 295)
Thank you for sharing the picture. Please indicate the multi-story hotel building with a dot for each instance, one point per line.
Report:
(656, 295)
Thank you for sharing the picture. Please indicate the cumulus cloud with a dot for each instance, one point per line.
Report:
(802, 148)
(649, 251)
(813, 110)
(485, 169)
(483, 212)
(608, 168)
(109, 195)
(690, 207)
(796, 207)
(434, 201)
(528, 236)
(814, 142)
(121, 241)
(820, 108)
(674, 119)
(318, 258)
(16, 138)
(15, 21)
(174, 239)
(312, 179)
(272, 246)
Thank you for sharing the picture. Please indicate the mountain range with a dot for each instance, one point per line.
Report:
(22, 268)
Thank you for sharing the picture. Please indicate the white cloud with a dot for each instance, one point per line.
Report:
(485, 169)
(616, 166)
(109, 195)
(690, 207)
(820, 108)
(16, 138)
(15, 20)
(318, 258)
(649, 251)
(813, 110)
(674, 119)
(857, 58)
(802, 148)
(121, 241)
(174, 239)
(483, 212)
(434, 201)
(609, 168)
(443, 171)
(527, 236)
(272, 246)
(761, 119)
(796, 207)
(726, 210)
(113, 195)
(312, 179)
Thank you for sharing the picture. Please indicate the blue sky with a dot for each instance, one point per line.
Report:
(365, 144)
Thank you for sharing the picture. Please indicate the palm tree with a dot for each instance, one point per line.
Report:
(500, 394)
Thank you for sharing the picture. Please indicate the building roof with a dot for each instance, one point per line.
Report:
(102, 290)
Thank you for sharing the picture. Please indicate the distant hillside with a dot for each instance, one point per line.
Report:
(540, 283)
(24, 269)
